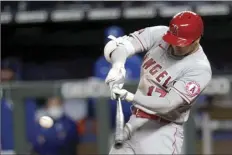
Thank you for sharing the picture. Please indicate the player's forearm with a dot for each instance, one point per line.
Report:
(157, 104)
(153, 103)
(119, 56)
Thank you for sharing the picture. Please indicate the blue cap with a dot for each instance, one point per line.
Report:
(113, 30)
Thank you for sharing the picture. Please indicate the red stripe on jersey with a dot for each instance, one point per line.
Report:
(140, 42)
(182, 95)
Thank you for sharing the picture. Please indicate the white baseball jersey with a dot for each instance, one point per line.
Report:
(162, 71)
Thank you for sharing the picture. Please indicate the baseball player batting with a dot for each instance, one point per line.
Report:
(174, 72)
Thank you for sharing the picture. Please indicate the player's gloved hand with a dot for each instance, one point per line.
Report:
(123, 94)
(116, 77)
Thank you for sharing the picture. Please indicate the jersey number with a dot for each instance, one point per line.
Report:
(157, 90)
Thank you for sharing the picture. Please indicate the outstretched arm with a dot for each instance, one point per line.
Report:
(153, 103)
(159, 104)
(183, 91)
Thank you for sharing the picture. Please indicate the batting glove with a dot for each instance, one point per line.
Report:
(116, 78)
(123, 94)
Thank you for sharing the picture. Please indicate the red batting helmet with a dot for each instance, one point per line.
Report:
(184, 28)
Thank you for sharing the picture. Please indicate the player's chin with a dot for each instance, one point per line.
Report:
(179, 52)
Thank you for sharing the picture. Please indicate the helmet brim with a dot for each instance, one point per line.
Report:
(176, 41)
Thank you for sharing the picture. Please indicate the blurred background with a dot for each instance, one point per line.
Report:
(46, 44)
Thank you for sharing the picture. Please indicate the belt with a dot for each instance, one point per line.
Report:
(141, 114)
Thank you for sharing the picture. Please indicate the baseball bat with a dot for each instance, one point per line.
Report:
(119, 131)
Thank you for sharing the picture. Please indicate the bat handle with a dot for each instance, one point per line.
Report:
(118, 145)
(118, 98)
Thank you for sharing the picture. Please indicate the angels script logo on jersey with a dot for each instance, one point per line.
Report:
(193, 88)
(154, 69)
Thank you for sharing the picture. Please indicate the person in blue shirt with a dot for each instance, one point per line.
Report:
(61, 138)
(10, 71)
(6, 125)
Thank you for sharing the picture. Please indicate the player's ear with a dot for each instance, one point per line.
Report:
(198, 40)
